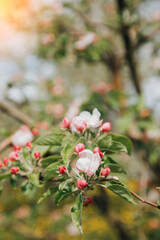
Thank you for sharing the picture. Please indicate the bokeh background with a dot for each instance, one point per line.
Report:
(58, 58)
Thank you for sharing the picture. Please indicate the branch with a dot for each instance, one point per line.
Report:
(133, 193)
(144, 201)
(93, 23)
(128, 47)
(16, 113)
(5, 143)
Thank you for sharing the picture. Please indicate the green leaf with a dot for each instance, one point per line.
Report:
(113, 165)
(34, 179)
(76, 212)
(48, 193)
(123, 140)
(69, 139)
(115, 168)
(67, 186)
(60, 195)
(53, 139)
(51, 159)
(26, 187)
(104, 142)
(51, 170)
(14, 180)
(55, 150)
(116, 147)
(67, 153)
(26, 154)
(5, 175)
(120, 190)
(112, 143)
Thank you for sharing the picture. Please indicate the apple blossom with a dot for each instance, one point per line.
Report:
(92, 120)
(35, 131)
(81, 184)
(37, 155)
(16, 148)
(13, 156)
(78, 124)
(29, 145)
(22, 136)
(79, 148)
(5, 161)
(88, 162)
(106, 127)
(98, 150)
(66, 123)
(14, 170)
(105, 172)
(62, 169)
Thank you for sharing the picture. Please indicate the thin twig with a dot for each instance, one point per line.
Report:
(144, 201)
(133, 193)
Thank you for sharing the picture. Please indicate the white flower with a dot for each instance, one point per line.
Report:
(92, 120)
(88, 162)
(21, 137)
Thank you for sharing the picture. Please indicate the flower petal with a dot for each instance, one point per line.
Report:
(83, 164)
(96, 113)
(95, 163)
(85, 116)
(86, 154)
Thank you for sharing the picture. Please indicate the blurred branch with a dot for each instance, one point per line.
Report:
(16, 113)
(5, 143)
(128, 46)
(93, 23)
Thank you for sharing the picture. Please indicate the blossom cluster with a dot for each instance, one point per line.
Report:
(86, 120)
(88, 161)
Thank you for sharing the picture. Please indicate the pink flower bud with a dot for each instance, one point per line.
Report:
(35, 131)
(81, 184)
(37, 155)
(13, 156)
(14, 170)
(5, 161)
(25, 128)
(105, 172)
(106, 127)
(89, 200)
(66, 123)
(79, 148)
(62, 169)
(1, 165)
(81, 125)
(16, 148)
(29, 145)
(98, 150)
